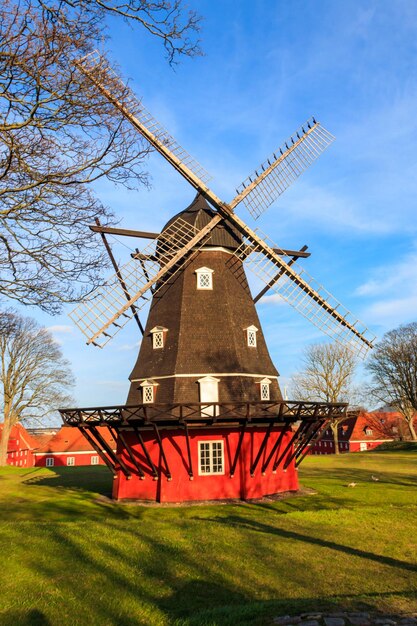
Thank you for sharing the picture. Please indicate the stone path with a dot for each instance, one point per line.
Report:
(346, 618)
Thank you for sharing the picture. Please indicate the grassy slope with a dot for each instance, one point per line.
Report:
(67, 557)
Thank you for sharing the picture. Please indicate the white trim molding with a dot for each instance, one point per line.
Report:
(204, 374)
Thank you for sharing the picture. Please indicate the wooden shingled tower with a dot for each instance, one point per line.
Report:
(203, 340)
(205, 418)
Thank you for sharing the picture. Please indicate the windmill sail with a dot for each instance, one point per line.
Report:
(305, 294)
(295, 286)
(106, 311)
(98, 69)
(260, 190)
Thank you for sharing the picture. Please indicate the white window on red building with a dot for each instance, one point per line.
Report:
(70, 460)
(363, 446)
(50, 461)
(204, 278)
(210, 458)
(158, 337)
(94, 460)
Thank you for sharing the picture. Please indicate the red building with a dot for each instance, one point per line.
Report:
(364, 432)
(21, 446)
(69, 448)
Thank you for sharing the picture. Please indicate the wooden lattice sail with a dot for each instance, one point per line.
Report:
(258, 193)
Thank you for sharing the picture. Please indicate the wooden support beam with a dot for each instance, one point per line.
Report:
(131, 453)
(120, 277)
(239, 446)
(261, 448)
(99, 450)
(161, 447)
(275, 447)
(279, 274)
(298, 254)
(190, 462)
(117, 461)
(146, 453)
(308, 435)
(292, 442)
(124, 232)
(302, 453)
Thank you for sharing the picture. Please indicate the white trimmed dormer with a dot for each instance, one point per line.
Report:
(264, 393)
(158, 337)
(209, 392)
(148, 391)
(251, 336)
(204, 278)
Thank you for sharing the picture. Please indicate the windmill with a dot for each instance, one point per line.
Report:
(209, 227)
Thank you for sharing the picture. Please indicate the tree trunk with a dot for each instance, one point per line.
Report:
(4, 442)
(412, 429)
(335, 432)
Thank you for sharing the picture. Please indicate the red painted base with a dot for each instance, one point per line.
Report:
(180, 488)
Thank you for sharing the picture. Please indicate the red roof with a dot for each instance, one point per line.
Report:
(70, 439)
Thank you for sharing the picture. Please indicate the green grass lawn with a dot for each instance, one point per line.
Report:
(69, 556)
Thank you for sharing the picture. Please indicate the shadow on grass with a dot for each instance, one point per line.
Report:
(362, 475)
(32, 617)
(95, 479)
(235, 521)
(255, 613)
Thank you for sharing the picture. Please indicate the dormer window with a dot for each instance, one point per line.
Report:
(158, 337)
(368, 431)
(204, 278)
(251, 336)
(264, 385)
(148, 391)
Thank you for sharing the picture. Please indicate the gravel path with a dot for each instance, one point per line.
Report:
(348, 618)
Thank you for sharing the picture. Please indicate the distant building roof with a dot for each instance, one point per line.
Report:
(69, 439)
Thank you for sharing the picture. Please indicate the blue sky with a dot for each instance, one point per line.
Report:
(268, 66)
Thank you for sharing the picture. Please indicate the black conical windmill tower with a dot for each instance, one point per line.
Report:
(204, 402)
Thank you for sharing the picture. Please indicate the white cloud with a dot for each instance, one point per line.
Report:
(392, 289)
(126, 347)
(61, 328)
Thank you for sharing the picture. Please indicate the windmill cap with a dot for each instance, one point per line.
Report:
(199, 214)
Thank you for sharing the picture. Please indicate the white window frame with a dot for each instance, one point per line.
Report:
(148, 394)
(158, 337)
(70, 461)
(264, 389)
(204, 278)
(50, 461)
(251, 339)
(219, 444)
(148, 391)
(95, 460)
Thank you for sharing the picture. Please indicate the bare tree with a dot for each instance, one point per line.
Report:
(58, 135)
(327, 376)
(34, 376)
(393, 365)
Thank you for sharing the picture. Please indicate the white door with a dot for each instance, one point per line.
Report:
(209, 392)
